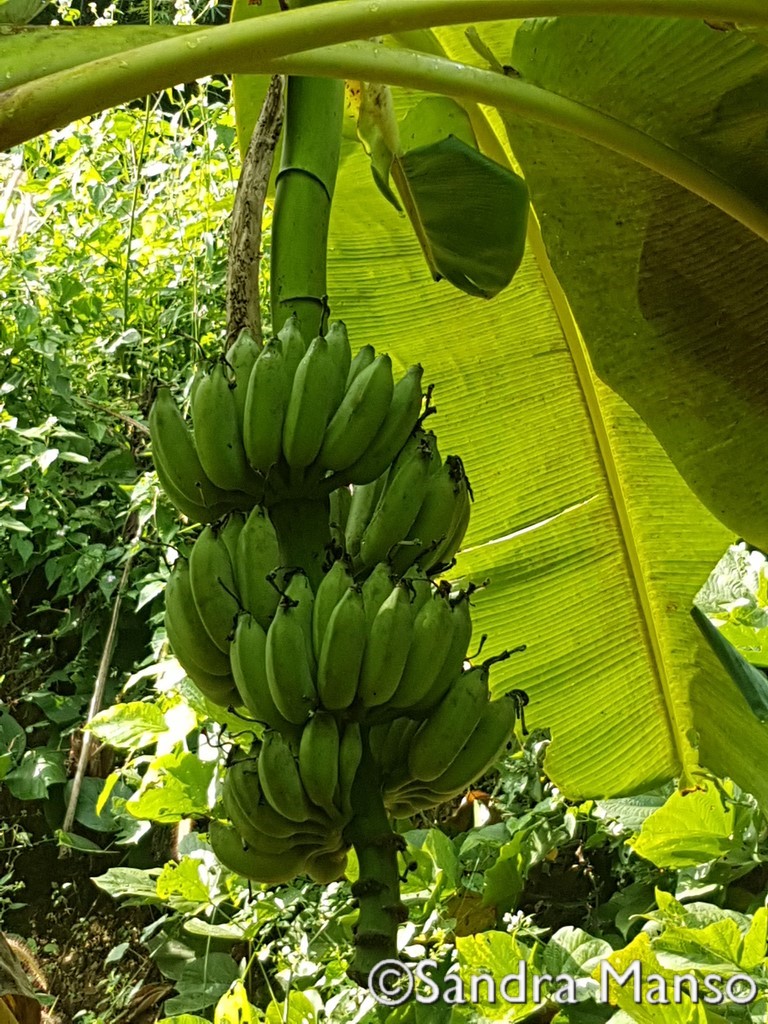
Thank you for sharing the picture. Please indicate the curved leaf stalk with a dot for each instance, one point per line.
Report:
(314, 110)
(377, 889)
(60, 98)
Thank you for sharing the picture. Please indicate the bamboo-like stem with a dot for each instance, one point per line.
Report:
(245, 46)
(377, 889)
(305, 184)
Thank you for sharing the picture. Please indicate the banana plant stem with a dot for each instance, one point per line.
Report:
(303, 534)
(305, 184)
(377, 889)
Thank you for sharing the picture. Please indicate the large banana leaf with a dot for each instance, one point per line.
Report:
(669, 292)
(594, 544)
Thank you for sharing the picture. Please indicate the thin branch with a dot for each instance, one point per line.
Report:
(96, 699)
(243, 305)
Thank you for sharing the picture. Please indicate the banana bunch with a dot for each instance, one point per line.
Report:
(416, 511)
(288, 805)
(280, 421)
(223, 584)
(386, 648)
(442, 756)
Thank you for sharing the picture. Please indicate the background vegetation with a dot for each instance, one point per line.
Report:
(114, 245)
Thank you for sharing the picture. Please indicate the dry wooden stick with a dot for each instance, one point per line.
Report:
(245, 227)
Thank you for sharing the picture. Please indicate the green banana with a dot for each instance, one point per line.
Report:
(363, 359)
(189, 639)
(256, 557)
(248, 658)
(440, 738)
(452, 543)
(265, 406)
(338, 346)
(270, 869)
(400, 500)
(299, 590)
(241, 357)
(319, 760)
(350, 756)
(289, 671)
(217, 689)
(386, 649)
(326, 867)
(341, 654)
(218, 434)
(377, 741)
(376, 589)
(242, 776)
(292, 346)
(419, 585)
(230, 531)
(459, 637)
(239, 811)
(340, 501)
(398, 425)
(213, 584)
(311, 404)
(332, 588)
(362, 503)
(178, 465)
(280, 780)
(432, 629)
(484, 746)
(359, 416)
(434, 527)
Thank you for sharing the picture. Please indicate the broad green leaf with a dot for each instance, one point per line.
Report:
(181, 885)
(19, 12)
(203, 982)
(174, 787)
(234, 1008)
(498, 955)
(129, 726)
(690, 829)
(577, 507)
(750, 680)
(573, 951)
(184, 1018)
(477, 246)
(504, 882)
(133, 884)
(38, 770)
(296, 1009)
(641, 999)
(667, 290)
(79, 843)
(89, 811)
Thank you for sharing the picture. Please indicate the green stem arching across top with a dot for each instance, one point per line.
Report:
(261, 45)
(311, 145)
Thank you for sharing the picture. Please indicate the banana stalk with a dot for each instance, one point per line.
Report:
(305, 184)
(377, 889)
